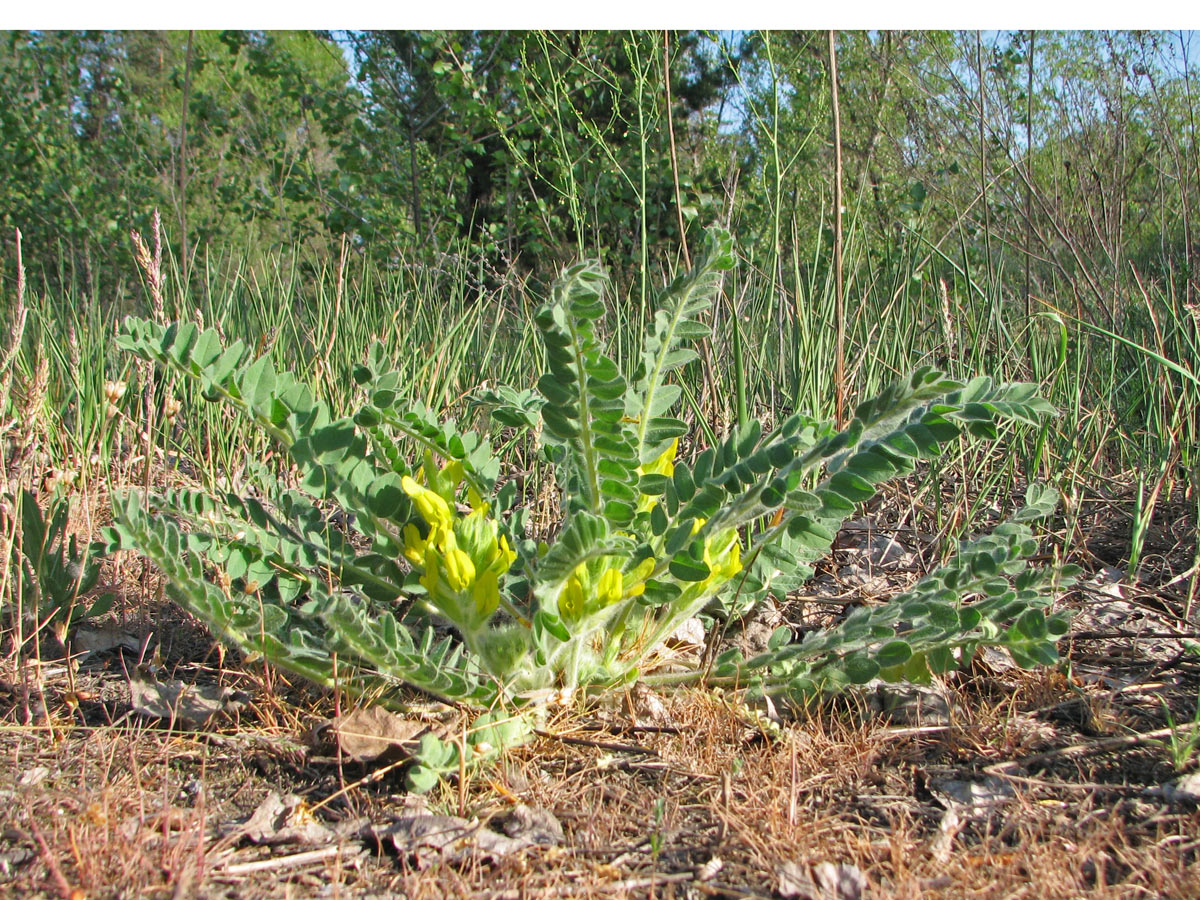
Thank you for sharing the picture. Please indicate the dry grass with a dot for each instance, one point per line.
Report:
(132, 809)
(98, 802)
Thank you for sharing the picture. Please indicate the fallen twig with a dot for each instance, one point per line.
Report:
(602, 745)
(284, 862)
(1074, 751)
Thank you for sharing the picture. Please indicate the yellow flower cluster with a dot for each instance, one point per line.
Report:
(598, 584)
(462, 557)
(722, 552)
(584, 593)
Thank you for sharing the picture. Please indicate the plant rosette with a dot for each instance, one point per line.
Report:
(428, 579)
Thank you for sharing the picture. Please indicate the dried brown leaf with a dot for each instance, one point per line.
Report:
(369, 732)
(825, 881)
(428, 838)
(840, 881)
(104, 637)
(285, 820)
(180, 703)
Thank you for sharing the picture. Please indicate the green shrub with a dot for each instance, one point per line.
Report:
(646, 539)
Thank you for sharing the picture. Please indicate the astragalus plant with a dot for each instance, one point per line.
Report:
(393, 547)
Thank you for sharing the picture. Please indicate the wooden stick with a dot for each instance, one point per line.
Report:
(284, 862)
(839, 298)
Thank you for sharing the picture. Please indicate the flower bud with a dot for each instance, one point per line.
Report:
(460, 571)
(114, 391)
(609, 588)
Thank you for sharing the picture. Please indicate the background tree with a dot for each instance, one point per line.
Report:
(97, 135)
(510, 141)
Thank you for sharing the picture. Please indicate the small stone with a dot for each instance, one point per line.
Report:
(1186, 789)
(34, 776)
(534, 824)
(690, 632)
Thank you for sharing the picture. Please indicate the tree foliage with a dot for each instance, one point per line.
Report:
(1070, 155)
(97, 135)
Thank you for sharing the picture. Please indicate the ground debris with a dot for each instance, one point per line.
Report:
(824, 881)
(102, 638)
(180, 703)
(369, 732)
(12, 858)
(534, 824)
(284, 820)
(428, 838)
(33, 777)
(973, 798)
(906, 703)
(1186, 788)
(965, 801)
(690, 633)
(649, 709)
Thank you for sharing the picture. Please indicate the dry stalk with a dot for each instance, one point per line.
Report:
(16, 330)
(10, 596)
(339, 291)
(28, 415)
(839, 299)
(10, 467)
(60, 881)
(947, 320)
(150, 262)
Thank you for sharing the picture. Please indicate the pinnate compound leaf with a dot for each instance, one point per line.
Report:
(585, 396)
(675, 322)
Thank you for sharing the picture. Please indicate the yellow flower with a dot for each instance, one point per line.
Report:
(609, 587)
(432, 507)
(723, 556)
(486, 594)
(414, 544)
(460, 571)
(733, 562)
(463, 557)
(665, 464)
(636, 580)
(503, 558)
(570, 602)
(430, 579)
(582, 593)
